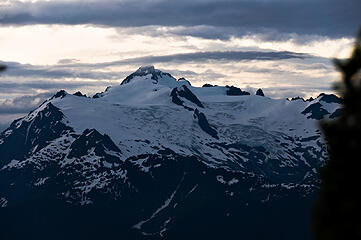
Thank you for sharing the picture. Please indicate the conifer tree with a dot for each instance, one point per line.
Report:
(337, 212)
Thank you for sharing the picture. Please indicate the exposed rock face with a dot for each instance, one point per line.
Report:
(79, 94)
(260, 93)
(60, 94)
(101, 94)
(183, 92)
(91, 141)
(183, 80)
(29, 135)
(337, 113)
(316, 111)
(208, 85)
(329, 98)
(204, 124)
(235, 91)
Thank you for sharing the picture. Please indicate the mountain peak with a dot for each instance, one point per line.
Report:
(145, 71)
(59, 94)
(329, 98)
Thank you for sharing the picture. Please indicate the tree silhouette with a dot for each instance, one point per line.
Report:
(337, 212)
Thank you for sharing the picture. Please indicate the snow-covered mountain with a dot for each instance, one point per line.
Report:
(164, 159)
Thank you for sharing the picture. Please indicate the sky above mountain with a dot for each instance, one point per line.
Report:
(282, 46)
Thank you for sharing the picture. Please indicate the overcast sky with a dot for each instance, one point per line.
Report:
(282, 46)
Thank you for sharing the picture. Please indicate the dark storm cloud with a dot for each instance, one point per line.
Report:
(332, 18)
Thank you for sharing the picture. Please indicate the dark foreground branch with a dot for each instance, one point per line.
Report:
(337, 213)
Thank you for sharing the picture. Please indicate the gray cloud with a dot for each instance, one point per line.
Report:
(6, 119)
(25, 79)
(19, 87)
(201, 57)
(332, 18)
(226, 32)
(3, 126)
(15, 69)
(20, 79)
(289, 92)
(23, 104)
(72, 69)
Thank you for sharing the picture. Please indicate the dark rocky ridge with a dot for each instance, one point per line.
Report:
(204, 124)
(259, 92)
(182, 79)
(79, 94)
(23, 137)
(92, 140)
(329, 98)
(299, 98)
(235, 91)
(101, 94)
(208, 85)
(337, 113)
(184, 92)
(316, 110)
(60, 94)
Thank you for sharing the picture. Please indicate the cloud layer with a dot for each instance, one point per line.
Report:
(23, 104)
(15, 108)
(255, 68)
(229, 56)
(68, 68)
(332, 18)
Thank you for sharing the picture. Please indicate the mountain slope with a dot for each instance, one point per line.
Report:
(169, 157)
